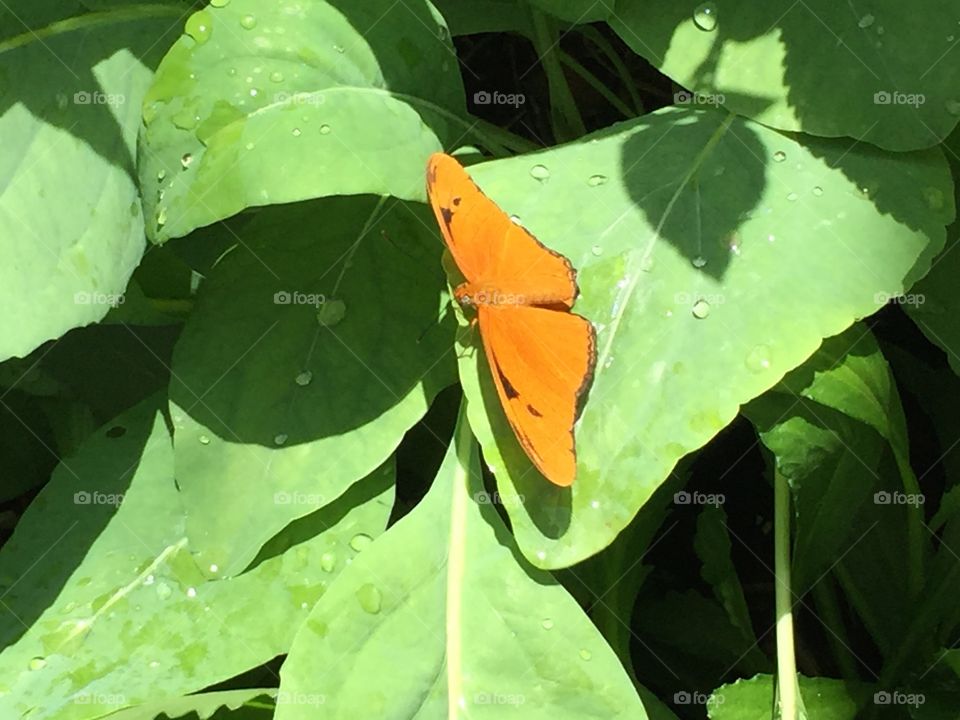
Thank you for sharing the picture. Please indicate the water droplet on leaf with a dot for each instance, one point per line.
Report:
(699, 261)
(198, 26)
(360, 541)
(779, 156)
(705, 16)
(758, 359)
(866, 21)
(369, 597)
(596, 180)
(701, 308)
(304, 378)
(280, 439)
(540, 172)
(248, 22)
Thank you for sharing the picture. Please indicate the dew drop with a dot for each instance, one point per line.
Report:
(779, 156)
(585, 654)
(324, 129)
(934, 198)
(792, 196)
(953, 107)
(191, 592)
(231, 71)
(304, 378)
(198, 26)
(186, 160)
(214, 568)
(280, 439)
(771, 237)
(595, 504)
(818, 191)
(296, 132)
(758, 359)
(705, 16)
(37, 663)
(699, 261)
(369, 598)
(254, 92)
(515, 219)
(540, 172)
(276, 77)
(164, 591)
(331, 313)
(339, 49)
(154, 664)
(149, 580)
(701, 308)
(162, 216)
(360, 541)
(547, 624)
(596, 180)
(328, 561)
(161, 175)
(248, 22)
(249, 146)
(219, 3)
(596, 250)
(541, 555)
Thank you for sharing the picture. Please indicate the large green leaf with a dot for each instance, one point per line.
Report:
(104, 604)
(443, 618)
(203, 706)
(881, 72)
(714, 255)
(269, 103)
(826, 424)
(71, 226)
(300, 369)
(753, 699)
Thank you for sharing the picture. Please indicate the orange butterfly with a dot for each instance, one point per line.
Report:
(541, 355)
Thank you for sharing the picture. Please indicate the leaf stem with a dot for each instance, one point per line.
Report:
(566, 120)
(786, 657)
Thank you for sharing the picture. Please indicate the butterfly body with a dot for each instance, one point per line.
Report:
(541, 355)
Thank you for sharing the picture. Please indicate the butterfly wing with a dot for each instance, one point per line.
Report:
(542, 362)
(489, 248)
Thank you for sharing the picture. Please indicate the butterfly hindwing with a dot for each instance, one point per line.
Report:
(542, 361)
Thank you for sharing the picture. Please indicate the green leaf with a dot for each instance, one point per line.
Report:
(443, 617)
(712, 543)
(753, 699)
(892, 74)
(713, 256)
(301, 369)
(826, 423)
(934, 303)
(485, 16)
(105, 605)
(71, 225)
(261, 103)
(204, 706)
